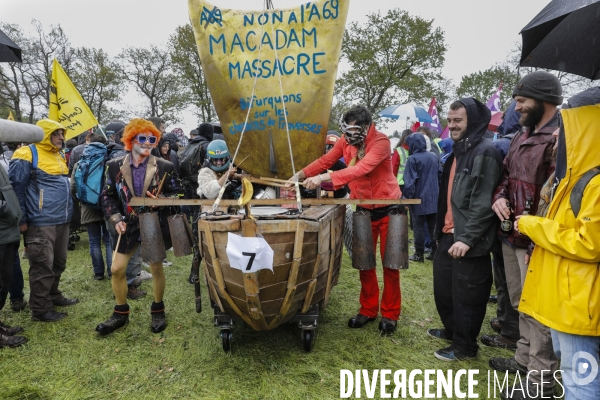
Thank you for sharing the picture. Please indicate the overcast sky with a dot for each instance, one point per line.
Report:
(478, 33)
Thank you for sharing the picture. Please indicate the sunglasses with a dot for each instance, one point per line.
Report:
(141, 139)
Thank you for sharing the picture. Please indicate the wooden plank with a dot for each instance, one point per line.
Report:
(287, 302)
(220, 281)
(251, 284)
(312, 285)
(146, 201)
(212, 289)
(332, 236)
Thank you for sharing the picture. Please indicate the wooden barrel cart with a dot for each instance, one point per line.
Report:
(307, 258)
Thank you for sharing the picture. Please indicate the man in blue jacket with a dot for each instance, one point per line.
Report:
(421, 182)
(39, 176)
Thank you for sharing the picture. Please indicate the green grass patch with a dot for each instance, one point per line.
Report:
(68, 360)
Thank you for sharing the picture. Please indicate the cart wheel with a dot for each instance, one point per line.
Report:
(71, 246)
(308, 335)
(226, 339)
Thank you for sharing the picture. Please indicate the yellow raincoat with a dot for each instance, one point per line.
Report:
(562, 287)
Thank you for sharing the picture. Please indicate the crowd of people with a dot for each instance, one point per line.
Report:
(518, 209)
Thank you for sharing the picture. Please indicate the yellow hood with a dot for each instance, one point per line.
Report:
(48, 126)
(562, 287)
(581, 126)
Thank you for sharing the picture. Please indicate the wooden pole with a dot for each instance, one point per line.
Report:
(172, 201)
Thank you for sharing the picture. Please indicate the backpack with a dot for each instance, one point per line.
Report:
(89, 175)
(192, 158)
(579, 188)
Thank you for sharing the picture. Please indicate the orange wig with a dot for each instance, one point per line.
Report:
(134, 128)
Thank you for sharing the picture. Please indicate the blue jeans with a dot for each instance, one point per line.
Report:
(97, 233)
(134, 266)
(579, 364)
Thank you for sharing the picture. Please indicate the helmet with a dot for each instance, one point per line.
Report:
(354, 134)
(330, 142)
(218, 155)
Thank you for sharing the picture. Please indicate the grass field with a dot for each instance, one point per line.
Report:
(68, 360)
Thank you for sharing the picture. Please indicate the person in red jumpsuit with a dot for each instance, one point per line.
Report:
(369, 175)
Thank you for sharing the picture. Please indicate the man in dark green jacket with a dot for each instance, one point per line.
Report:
(465, 230)
(10, 215)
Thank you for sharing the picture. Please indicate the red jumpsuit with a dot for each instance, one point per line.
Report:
(369, 178)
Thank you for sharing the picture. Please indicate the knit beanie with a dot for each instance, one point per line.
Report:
(206, 130)
(541, 86)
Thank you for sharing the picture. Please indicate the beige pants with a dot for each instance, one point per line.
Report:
(534, 349)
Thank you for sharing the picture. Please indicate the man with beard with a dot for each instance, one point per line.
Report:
(527, 165)
(465, 231)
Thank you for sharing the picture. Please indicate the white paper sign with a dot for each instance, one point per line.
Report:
(249, 254)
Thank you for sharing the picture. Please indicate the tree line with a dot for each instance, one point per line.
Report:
(392, 58)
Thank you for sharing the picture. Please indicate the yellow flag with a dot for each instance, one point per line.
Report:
(67, 105)
(277, 68)
(10, 116)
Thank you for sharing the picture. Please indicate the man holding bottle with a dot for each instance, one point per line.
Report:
(526, 167)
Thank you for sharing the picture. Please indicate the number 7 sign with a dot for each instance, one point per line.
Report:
(249, 254)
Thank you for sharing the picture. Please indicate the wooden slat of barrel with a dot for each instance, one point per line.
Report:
(206, 226)
(291, 283)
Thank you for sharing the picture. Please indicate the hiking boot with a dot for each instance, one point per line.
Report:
(359, 320)
(159, 321)
(439, 334)
(49, 316)
(98, 277)
(499, 341)
(11, 341)
(387, 326)
(450, 354)
(417, 257)
(134, 293)
(18, 305)
(526, 390)
(65, 302)
(116, 321)
(430, 256)
(495, 324)
(9, 330)
(507, 364)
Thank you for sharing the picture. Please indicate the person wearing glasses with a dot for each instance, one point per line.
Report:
(369, 176)
(138, 174)
(39, 176)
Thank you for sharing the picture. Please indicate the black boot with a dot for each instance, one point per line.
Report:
(417, 257)
(159, 319)
(117, 320)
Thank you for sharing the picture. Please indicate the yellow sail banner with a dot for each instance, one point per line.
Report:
(10, 116)
(271, 72)
(66, 104)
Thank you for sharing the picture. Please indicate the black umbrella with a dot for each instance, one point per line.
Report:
(9, 51)
(564, 36)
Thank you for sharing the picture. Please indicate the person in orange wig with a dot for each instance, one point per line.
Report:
(138, 174)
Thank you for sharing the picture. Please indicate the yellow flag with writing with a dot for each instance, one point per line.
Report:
(10, 116)
(66, 104)
(271, 73)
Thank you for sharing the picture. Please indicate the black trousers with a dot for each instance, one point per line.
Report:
(419, 223)
(507, 315)
(7, 253)
(461, 288)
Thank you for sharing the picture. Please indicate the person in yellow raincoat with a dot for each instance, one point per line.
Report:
(562, 287)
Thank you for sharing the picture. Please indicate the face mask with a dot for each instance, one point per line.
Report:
(354, 134)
